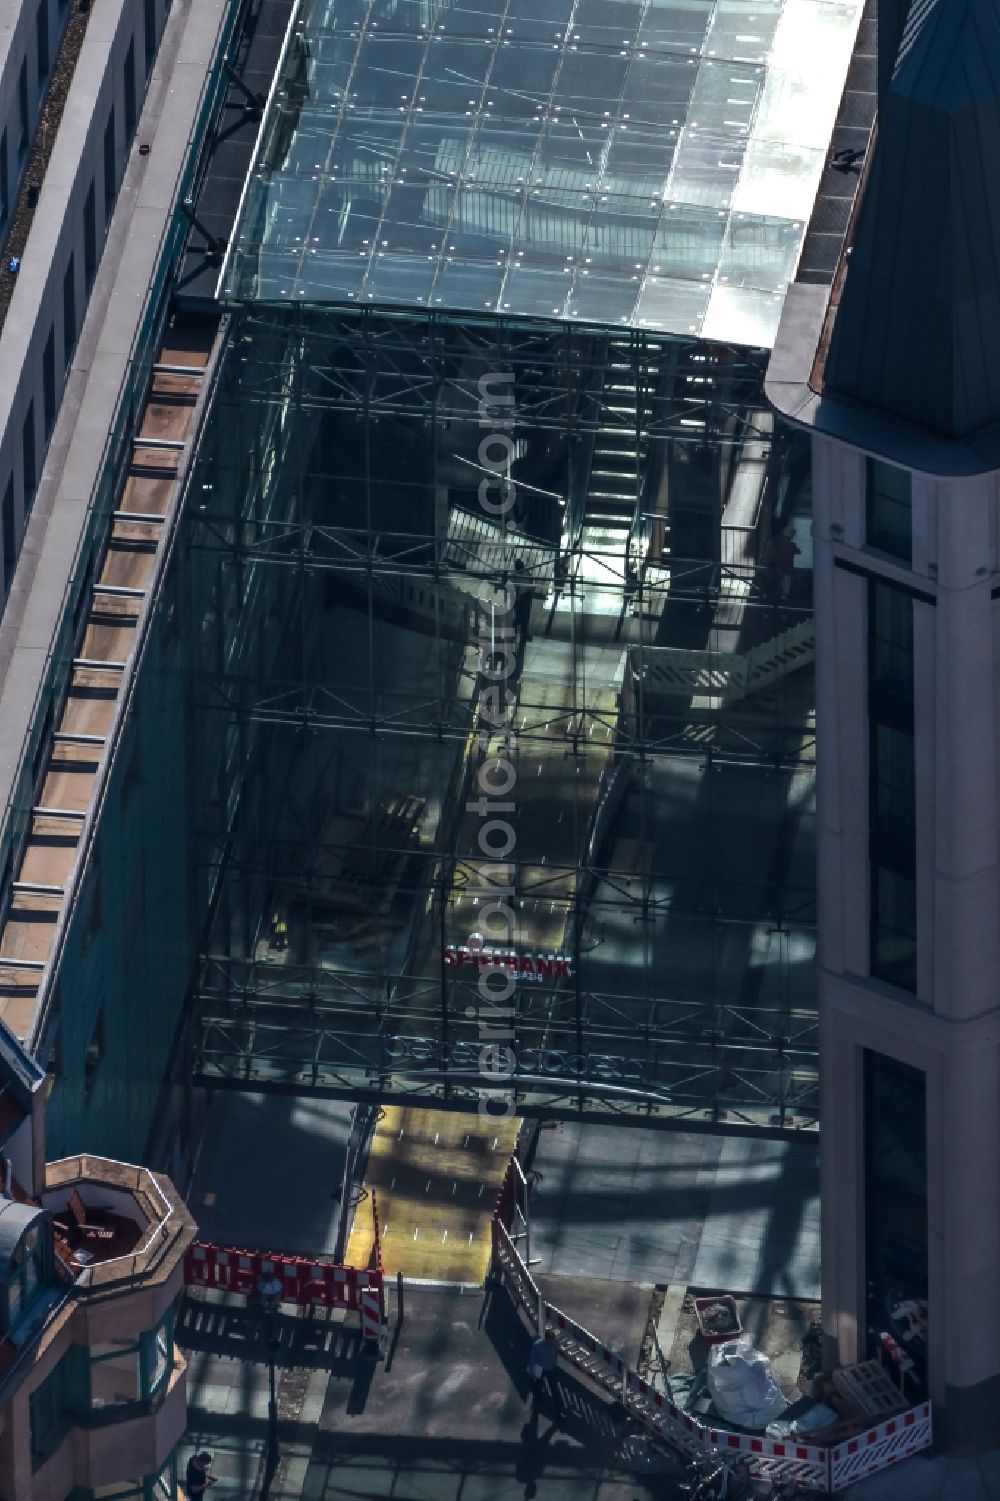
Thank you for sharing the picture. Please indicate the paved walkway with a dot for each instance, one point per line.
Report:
(436, 1174)
(443, 1418)
(941, 1479)
(657, 1206)
(270, 1172)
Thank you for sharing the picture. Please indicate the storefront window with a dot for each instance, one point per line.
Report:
(896, 1205)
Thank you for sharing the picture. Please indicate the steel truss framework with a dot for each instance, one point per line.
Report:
(339, 574)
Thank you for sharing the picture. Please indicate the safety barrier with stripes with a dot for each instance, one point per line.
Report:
(809, 1466)
(305, 1281)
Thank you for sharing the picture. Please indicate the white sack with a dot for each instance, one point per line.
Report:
(743, 1389)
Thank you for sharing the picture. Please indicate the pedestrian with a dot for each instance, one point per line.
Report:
(542, 1361)
(197, 1478)
(523, 596)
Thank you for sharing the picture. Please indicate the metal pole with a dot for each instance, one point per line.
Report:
(272, 1406)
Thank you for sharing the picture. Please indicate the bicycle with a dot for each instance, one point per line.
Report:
(717, 1477)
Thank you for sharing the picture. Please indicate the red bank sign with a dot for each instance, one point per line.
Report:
(533, 967)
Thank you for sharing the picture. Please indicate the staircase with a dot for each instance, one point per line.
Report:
(674, 671)
(613, 488)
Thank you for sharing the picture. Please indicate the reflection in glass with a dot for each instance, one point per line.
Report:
(585, 134)
(384, 479)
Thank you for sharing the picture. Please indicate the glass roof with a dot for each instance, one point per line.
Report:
(646, 163)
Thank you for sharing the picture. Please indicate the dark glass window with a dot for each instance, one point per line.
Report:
(90, 237)
(28, 456)
(49, 382)
(892, 787)
(896, 1205)
(149, 32)
(96, 1048)
(69, 312)
(888, 513)
(27, 1274)
(9, 536)
(131, 115)
(4, 180)
(22, 108)
(110, 175)
(53, 1400)
(42, 38)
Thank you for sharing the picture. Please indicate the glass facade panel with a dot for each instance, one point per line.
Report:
(534, 148)
(892, 786)
(896, 1206)
(471, 621)
(888, 509)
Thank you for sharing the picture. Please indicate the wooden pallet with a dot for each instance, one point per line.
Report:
(867, 1391)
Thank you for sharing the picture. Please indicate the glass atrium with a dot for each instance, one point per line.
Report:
(634, 163)
(499, 300)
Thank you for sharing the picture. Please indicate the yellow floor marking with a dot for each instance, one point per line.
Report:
(436, 1176)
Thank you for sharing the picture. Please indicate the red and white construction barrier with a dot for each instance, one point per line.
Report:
(304, 1281)
(811, 1467)
(896, 1438)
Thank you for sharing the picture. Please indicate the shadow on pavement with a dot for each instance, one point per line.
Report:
(592, 1421)
(240, 1332)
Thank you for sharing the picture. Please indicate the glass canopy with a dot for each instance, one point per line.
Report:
(624, 162)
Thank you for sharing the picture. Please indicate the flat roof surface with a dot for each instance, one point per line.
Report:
(624, 162)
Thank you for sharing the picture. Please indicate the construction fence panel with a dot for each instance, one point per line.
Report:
(896, 1438)
(303, 1282)
(775, 1459)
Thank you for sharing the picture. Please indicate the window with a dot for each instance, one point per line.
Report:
(892, 812)
(149, 32)
(54, 1060)
(94, 921)
(110, 174)
(95, 1052)
(69, 312)
(888, 516)
(9, 536)
(114, 1374)
(157, 1349)
(4, 179)
(895, 1197)
(27, 1272)
(42, 38)
(90, 238)
(52, 1401)
(28, 456)
(22, 109)
(127, 1371)
(49, 382)
(131, 115)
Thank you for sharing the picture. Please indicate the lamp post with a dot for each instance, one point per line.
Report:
(269, 1291)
